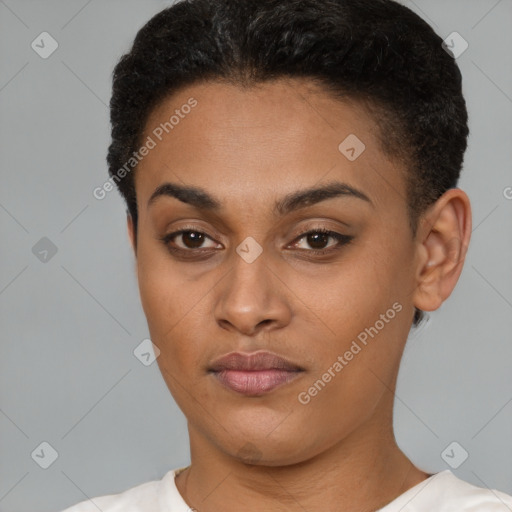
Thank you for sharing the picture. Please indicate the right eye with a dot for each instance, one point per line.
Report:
(191, 239)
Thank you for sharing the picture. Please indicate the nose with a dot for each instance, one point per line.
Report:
(252, 298)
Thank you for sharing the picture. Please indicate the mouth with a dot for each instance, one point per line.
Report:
(254, 374)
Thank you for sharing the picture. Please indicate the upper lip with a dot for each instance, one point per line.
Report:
(253, 361)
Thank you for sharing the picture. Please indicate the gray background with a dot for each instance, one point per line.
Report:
(68, 375)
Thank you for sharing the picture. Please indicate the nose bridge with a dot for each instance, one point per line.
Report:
(249, 285)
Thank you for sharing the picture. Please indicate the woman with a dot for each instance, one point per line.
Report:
(290, 172)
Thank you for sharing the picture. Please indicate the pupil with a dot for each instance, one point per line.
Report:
(195, 239)
(313, 239)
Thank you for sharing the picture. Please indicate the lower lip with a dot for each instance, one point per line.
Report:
(255, 382)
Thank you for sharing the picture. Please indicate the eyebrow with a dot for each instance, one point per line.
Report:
(202, 200)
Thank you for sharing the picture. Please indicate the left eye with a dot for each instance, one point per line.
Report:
(318, 240)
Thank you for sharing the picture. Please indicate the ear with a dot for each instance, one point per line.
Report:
(443, 240)
(131, 232)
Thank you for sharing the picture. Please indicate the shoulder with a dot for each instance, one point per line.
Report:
(145, 497)
(444, 492)
(461, 495)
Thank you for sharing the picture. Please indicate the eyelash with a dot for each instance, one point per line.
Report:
(341, 239)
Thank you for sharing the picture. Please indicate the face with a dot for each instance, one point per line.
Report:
(324, 279)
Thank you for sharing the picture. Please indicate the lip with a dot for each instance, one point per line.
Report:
(254, 374)
(262, 360)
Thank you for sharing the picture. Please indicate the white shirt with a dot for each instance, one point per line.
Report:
(442, 492)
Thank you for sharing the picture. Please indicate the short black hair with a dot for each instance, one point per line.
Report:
(377, 52)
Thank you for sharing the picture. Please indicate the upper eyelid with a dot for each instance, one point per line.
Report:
(303, 231)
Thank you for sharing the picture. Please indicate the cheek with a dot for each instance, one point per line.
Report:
(382, 268)
(364, 306)
(162, 305)
(356, 291)
(165, 294)
(352, 376)
(176, 308)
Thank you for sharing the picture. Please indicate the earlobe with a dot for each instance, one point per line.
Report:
(443, 243)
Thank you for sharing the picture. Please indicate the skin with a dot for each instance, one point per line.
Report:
(249, 148)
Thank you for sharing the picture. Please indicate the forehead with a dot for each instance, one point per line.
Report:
(275, 136)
